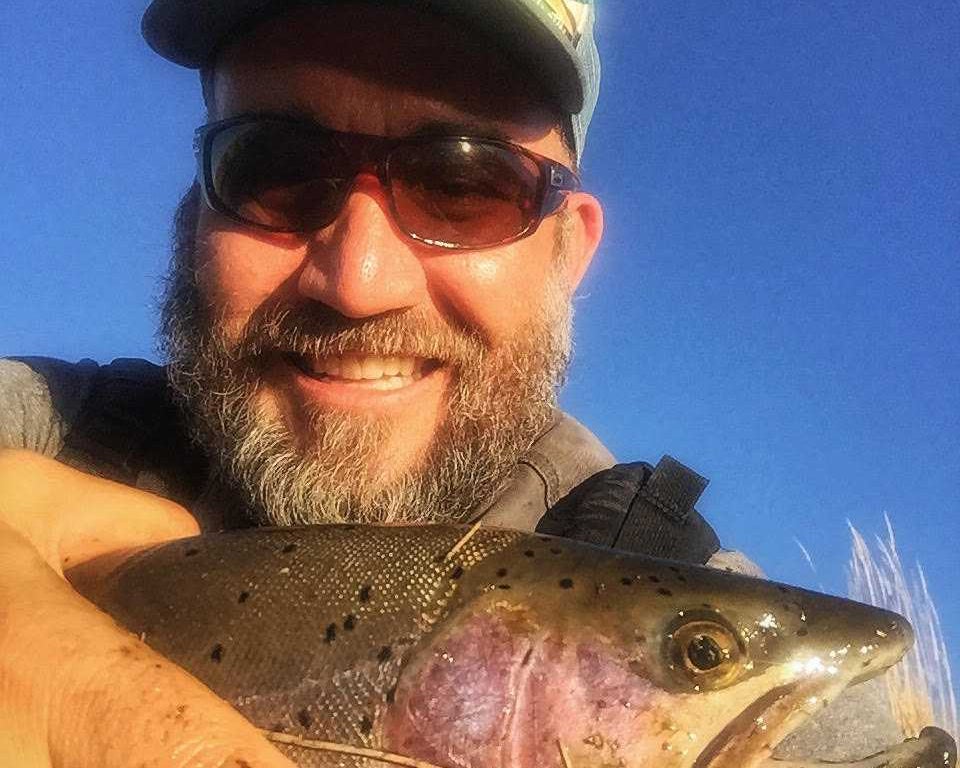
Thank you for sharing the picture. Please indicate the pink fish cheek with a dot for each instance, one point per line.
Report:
(455, 702)
(495, 693)
(585, 697)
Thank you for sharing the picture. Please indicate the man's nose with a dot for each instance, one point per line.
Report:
(361, 265)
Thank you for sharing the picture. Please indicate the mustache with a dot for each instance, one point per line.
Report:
(319, 331)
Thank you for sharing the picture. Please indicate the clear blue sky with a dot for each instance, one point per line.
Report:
(777, 301)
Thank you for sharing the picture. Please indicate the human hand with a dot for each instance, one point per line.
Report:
(75, 688)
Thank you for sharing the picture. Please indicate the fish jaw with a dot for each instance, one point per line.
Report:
(749, 738)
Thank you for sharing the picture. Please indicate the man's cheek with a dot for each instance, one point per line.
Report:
(488, 292)
(238, 273)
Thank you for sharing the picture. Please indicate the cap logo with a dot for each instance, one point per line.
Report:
(571, 16)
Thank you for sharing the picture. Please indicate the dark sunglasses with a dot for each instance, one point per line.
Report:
(285, 174)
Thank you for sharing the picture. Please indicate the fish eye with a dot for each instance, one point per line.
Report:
(705, 654)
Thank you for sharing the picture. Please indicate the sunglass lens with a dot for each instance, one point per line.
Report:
(469, 194)
(277, 175)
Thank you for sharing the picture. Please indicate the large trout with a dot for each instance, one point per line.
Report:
(498, 650)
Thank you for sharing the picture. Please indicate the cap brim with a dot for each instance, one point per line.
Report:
(189, 32)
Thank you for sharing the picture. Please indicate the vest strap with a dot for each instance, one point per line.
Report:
(638, 508)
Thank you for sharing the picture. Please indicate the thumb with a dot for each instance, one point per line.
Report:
(71, 517)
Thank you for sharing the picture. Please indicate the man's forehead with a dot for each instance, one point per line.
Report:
(380, 69)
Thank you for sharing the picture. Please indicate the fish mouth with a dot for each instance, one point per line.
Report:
(763, 720)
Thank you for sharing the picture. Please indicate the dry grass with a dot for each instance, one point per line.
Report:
(920, 686)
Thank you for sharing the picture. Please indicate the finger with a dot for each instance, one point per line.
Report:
(62, 657)
(71, 517)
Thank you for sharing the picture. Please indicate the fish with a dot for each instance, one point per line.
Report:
(493, 648)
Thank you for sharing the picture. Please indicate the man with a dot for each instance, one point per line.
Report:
(473, 332)
(387, 358)
(367, 319)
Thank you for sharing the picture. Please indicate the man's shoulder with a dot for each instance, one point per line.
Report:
(565, 454)
(67, 382)
(40, 398)
(569, 454)
(118, 420)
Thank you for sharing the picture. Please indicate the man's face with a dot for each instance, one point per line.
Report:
(354, 373)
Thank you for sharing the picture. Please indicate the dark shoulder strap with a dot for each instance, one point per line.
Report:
(129, 430)
(638, 508)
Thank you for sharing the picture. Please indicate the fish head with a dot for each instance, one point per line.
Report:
(736, 663)
(623, 662)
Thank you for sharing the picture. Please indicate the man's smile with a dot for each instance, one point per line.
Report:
(361, 380)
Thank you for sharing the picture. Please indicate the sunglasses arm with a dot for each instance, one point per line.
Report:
(560, 181)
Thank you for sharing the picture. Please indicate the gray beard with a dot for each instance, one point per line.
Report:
(497, 403)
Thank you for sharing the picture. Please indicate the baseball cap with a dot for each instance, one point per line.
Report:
(553, 38)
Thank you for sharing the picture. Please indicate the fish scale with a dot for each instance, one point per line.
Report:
(499, 654)
(342, 680)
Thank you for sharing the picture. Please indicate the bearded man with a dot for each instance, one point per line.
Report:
(367, 319)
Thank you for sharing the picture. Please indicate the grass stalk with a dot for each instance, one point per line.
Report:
(921, 686)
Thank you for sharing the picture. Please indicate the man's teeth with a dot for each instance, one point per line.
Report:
(356, 367)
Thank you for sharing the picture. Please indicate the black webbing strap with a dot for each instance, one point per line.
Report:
(129, 430)
(638, 508)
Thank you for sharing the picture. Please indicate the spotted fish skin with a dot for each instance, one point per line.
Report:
(501, 654)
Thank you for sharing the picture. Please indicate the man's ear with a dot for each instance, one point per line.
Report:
(585, 220)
